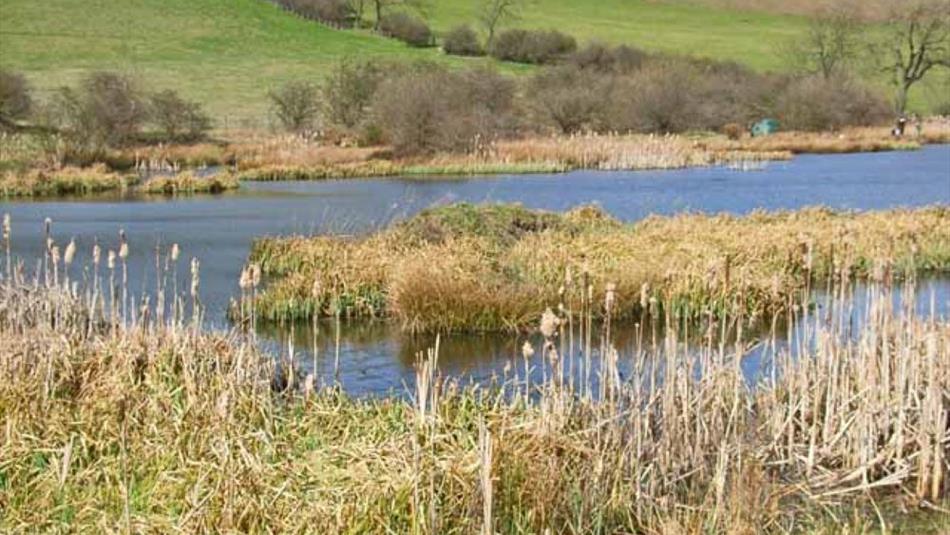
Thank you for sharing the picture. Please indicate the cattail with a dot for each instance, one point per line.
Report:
(195, 272)
(48, 224)
(96, 254)
(245, 280)
(317, 289)
(54, 254)
(644, 295)
(6, 228)
(549, 323)
(123, 246)
(255, 275)
(70, 252)
(111, 261)
(610, 297)
(527, 350)
(175, 252)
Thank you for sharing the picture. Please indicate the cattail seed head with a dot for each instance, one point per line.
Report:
(195, 273)
(111, 261)
(245, 280)
(96, 254)
(549, 323)
(124, 250)
(527, 350)
(175, 252)
(6, 227)
(611, 297)
(48, 225)
(70, 252)
(54, 253)
(255, 275)
(644, 295)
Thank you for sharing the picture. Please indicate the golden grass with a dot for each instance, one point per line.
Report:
(849, 140)
(65, 181)
(496, 267)
(188, 182)
(147, 424)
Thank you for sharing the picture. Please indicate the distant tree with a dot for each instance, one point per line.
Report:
(831, 42)
(295, 105)
(15, 99)
(495, 13)
(177, 118)
(382, 7)
(348, 91)
(358, 8)
(915, 41)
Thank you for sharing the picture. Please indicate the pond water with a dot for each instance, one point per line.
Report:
(219, 229)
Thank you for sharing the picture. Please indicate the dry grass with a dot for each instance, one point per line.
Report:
(65, 181)
(494, 267)
(147, 424)
(871, 139)
(188, 182)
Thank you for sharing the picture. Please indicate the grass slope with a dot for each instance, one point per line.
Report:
(227, 53)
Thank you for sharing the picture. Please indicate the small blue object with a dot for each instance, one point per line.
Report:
(764, 127)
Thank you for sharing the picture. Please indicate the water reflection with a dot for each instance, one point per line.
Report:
(377, 358)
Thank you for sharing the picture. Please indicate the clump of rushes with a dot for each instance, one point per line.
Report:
(151, 425)
(489, 268)
(189, 182)
(65, 181)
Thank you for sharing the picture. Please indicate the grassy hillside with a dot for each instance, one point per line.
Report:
(227, 53)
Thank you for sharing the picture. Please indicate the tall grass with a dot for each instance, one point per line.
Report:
(489, 268)
(140, 421)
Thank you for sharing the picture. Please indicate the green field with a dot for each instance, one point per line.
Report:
(227, 53)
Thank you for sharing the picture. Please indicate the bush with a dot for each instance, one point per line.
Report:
(569, 98)
(430, 109)
(178, 119)
(601, 58)
(295, 105)
(107, 109)
(817, 103)
(733, 131)
(462, 41)
(537, 47)
(338, 13)
(15, 99)
(348, 92)
(406, 28)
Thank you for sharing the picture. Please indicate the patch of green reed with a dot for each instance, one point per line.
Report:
(66, 181)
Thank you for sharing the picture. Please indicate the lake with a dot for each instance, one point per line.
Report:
(374, 357)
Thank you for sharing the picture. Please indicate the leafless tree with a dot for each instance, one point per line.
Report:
(495, 13)
(916, 40)
(832, 41)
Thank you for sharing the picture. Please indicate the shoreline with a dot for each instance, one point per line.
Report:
(285, 159)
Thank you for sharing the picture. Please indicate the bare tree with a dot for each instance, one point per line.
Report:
(830, 44)
(495, 13)
(916, 40)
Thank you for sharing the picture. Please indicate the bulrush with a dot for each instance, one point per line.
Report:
(549, 324)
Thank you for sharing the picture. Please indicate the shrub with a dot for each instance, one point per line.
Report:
(107, 109)
(462, 41)
(406, 28)
(348, 92)
(569, 98)
(430, 109)
(733, 131)
(15, 99)
(177, 118)
(818, 103)
(537, 47)
(601, 58)
(295, 105)
(338, 13)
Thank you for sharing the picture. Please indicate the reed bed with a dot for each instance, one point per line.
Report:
(63, 181)
(849, 140)
(188, 183)
(491, 268)
(125, 416)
